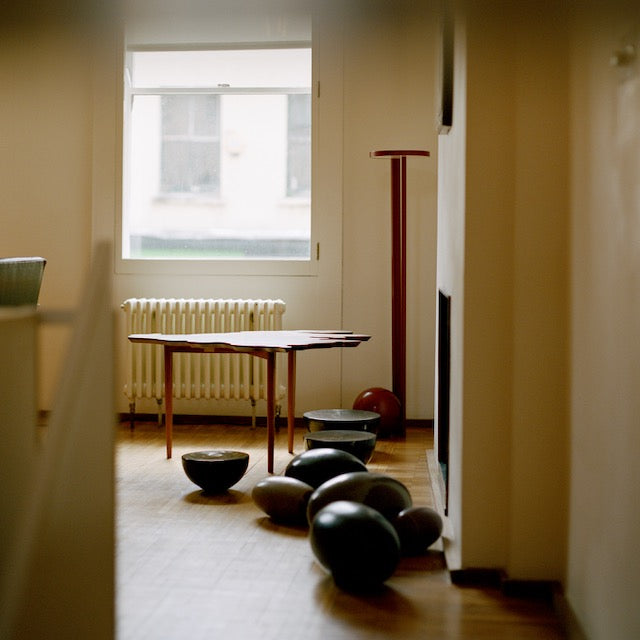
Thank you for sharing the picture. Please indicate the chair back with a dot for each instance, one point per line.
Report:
(20, 280)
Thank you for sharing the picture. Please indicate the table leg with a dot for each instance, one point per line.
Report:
(271, 408)
(168, 397)
(291, 397)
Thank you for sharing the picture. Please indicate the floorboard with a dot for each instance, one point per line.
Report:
(192, 566)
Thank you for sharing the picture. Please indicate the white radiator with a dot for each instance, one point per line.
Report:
(207, 376)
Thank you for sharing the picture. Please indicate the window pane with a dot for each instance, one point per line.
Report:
(236, 68)
(299, 145)
(205, 115)
(190, 167)
(190, 144)
(217, 175)
(175, 116)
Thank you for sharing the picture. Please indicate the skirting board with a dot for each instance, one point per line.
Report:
(43, 417)
(568, 618)
(497, 578)
(418, 423)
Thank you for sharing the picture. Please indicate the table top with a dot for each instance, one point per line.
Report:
(278, 341)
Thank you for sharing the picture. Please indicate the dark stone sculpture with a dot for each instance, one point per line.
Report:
(316, 466)
(283, 499)
(418, 528)
(215, 471)
(376, 490)
(356, 544)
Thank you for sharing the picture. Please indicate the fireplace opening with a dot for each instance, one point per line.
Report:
(443, 385)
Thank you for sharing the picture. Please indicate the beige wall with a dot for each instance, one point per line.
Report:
(45, 209)
(45, 170)
(539, 450)
(503, 188)
(488, 291)
(389, 61)
(514, 448)
(603, 579)
(538, 245)
(60, 185)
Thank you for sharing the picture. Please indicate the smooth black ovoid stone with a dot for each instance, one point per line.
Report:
(379, 491)
(316, 466)
(215, 471)
(418, 528)
(283, 499)
(356, 544)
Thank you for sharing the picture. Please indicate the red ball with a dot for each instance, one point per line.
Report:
(384, 402)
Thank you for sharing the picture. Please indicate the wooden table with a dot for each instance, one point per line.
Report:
(261, 344)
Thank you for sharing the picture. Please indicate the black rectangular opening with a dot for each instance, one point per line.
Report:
(444, 387)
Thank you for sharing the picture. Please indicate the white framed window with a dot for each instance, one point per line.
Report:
(217, 155)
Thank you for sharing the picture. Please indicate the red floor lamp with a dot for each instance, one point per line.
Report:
(399, 271)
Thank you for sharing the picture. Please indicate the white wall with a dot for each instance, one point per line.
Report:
(450, 271)
(238, 21)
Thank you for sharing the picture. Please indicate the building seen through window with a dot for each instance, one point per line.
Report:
(190, 153)
(217, 158)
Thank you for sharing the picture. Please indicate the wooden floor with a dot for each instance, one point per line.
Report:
(190, 566)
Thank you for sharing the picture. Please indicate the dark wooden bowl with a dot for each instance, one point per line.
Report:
(215, 471)
(349, 419)
(358, 443)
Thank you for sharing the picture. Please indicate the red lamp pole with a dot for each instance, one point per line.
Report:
(399, 270)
